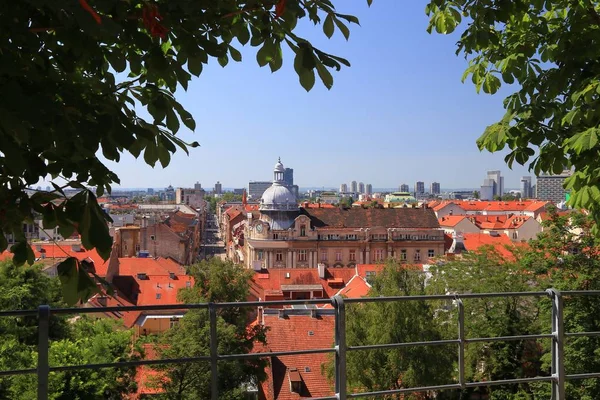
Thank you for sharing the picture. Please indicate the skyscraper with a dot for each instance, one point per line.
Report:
(361, 187)
(369, 189)
(498, 179)
(343, 188)
(257, 188)
(550, 187)
(404, 188)
(288, 177)
(435, 188)
(526, 192)
(419, 187)
(218, 188)
(353, 187)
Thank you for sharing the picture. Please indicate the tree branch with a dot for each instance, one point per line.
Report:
(593, 13)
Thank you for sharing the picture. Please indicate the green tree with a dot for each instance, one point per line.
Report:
(565, 256)
(476, 194)
(98, 68)
(72, 342)
(396, 322)
(215, 281)
(487, 271)
(544, 49)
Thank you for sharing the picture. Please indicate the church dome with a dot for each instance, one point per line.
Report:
(279, 166)
(278, 198)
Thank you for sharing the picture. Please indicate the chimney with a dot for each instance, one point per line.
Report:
(313, 313)
(76, 247)
(282, 314)
(321, 269)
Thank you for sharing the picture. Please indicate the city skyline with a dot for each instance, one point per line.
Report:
(356, 129)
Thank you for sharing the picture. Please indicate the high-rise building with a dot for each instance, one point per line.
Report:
(526, 192)
(550, 187)
(353, 187)
(257, 188)
(361, 187)
(498, 187)
(419, 187)
(343, 188)
(197, 186)
(435, 188)
(150, 191)
(218, 188)
(404, 188)
(486, 191)
(369, 189)
(288, 177)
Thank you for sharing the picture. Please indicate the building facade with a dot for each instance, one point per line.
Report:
(257, 188)
(435, 188)
(354, 187)
(550, 187)
(361, 187)
(497, 182)
(288, 177)
(343, 188)
(280, 234)
(218, 188)
(419, 188)
(526, 190)
(369, 189)
(193, 197)
(404, 188)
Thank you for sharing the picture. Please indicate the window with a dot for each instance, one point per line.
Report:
(323, 256)
(188, 284)
(352, 255)
(279, 256)
(417, 255)
(173, 322)
(379, 236)
(137, 248)
(276, 236)
(125, 246)
(515, 235)
(351, 237)
(259, 255)
(403, 255)
(158, 296)
(302, 230)
(302, 255)
(431, 253)
(152, 237)
(338, 255)
(379, 255)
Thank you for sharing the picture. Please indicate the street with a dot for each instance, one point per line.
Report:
(212, 245)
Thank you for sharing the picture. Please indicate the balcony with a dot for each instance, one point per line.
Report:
(557, 378)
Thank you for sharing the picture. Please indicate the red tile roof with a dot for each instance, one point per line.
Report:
(62, 251)
(495, 206)
(158, 290)
(372, 217)
(501, 243)
(357, 287)
(150, 266)
(294, 333)
(451, 220)
(146, 377)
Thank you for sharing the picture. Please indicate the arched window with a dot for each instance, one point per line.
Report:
(302, 230)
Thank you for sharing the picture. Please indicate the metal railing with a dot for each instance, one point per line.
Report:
(557, 378)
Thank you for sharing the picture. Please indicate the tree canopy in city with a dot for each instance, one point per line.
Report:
(79, 77)
(547, 52)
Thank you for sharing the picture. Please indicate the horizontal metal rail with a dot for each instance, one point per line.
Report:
(339, 349)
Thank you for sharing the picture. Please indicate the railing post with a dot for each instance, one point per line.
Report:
(214, 352)
(340, 347)
(558, 344)
(43, 367)
(461, 343)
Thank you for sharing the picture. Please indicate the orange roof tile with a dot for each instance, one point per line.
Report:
(451, 220)
(157, 290)
(150, 266)
(297, 332)
(357, 287)
(501, 243)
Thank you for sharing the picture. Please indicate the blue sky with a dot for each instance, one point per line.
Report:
(398, 115)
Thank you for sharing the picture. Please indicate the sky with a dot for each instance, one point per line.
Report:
(399, 114)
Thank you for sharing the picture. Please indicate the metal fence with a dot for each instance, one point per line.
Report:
(557, 378)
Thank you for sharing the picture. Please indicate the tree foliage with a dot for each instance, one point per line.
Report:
(215, 281)
(396, 322)
(82, 341)
(78, 78)
(546, 49)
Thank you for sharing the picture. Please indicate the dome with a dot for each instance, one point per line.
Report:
(279, 166)
(278, 198)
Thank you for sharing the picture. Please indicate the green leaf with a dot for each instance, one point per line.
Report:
(235, 54)
(307, 79)
(277, 59)
(328, 26)
(325, 75)
(151, 154)
(491, 84)
(164, 156)
(21, 253)
(343, 28)
(265, 53)
(195, 66)
(494, 138)
(223, 61)
(76, 284)
(243, 35)
(172, 121)
(583, 141)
